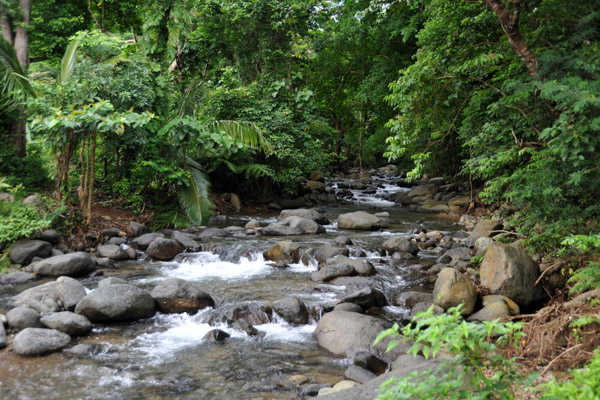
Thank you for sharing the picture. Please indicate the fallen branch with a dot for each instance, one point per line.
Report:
(549, 270)
(581, 299)
(559, 356)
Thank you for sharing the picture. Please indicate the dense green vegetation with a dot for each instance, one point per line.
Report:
(148, 103)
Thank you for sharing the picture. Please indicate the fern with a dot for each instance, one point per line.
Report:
(585, 320)
(585, 278)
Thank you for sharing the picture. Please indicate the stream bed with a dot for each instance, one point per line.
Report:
(166, 356)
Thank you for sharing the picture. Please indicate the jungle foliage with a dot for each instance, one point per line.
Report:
(504, 94)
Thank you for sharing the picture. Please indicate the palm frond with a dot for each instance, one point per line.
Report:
(68, 62)
(194, 198)
(190, 98)
(13, 79)
(245, 132)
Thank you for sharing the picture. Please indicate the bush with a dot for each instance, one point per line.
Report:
(476, 370)
(584, 385)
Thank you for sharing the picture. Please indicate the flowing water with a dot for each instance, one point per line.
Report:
(165, 356)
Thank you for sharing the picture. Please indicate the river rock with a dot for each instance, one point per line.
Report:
(112, 280)
(83, 350)
(453, 288)
(328, 251)
(116, 303)
(293, 226)
(358, 374)
(424, 306)
(117, 240)
(252, 313)
(343, 241)
(332, 271)
(3, 341)
(212, 233)
(312, 390)
(139, 229)
(482, 228)
(497, 309)
(17, 278)
(23, 317)
(346, 333)
(112, 252)
(284, 252)
(50, 236)
(39, 341)
(144, 241)
(366, 297)
(216, 335)
(43, 298)
(72, 264)
(492, 298)
(362, 268)
(67, 322)
(186, 240)
(244, 326)
(349, 307)
(401, 244)
(366, 360)
(454, 255)
(305, 213)
(164, 249)
(110, 232)
(70, 291)
(405, 365)
(360, 220)
(482, 244)
(509, 271)
(292, 310)
(410, 298)
(420, 192)
(341, 386)
(24, 251)
(176, 296)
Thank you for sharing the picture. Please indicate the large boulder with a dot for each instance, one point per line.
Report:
(490, 312)
(292, 310)
(116, 303)
(366, 297)
(332, 271)
(328, 251)
(164, 249)
(360, 220)
(176, 296)
(23, 251)
(43, 298)
(484, 228)
(362, 268)
(186, 240)
(346, 333)
(293, 226)
(23, 317)
(112, 252)
(142, 242)
(50, 236)
(411, 298)
(400, 244)
(304, 213)
(453, 288)
(72, 264)
(67, 322)
(252, 313)
(70, 291)
(421, 192)
(139, 229)
(39, 341)
(284, 252)
(509, 271)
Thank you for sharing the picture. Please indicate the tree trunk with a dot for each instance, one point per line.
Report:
(21, 38)
(510, 25)
(19, 134)
(6, 25)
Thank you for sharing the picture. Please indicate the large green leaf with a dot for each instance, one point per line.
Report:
(68, 62)
(194, 198)
(245, 132)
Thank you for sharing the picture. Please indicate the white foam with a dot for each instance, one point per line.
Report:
(207, 265)
(183, 331)
(281, 331)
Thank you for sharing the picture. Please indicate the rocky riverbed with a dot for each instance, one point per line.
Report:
(278, 306)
